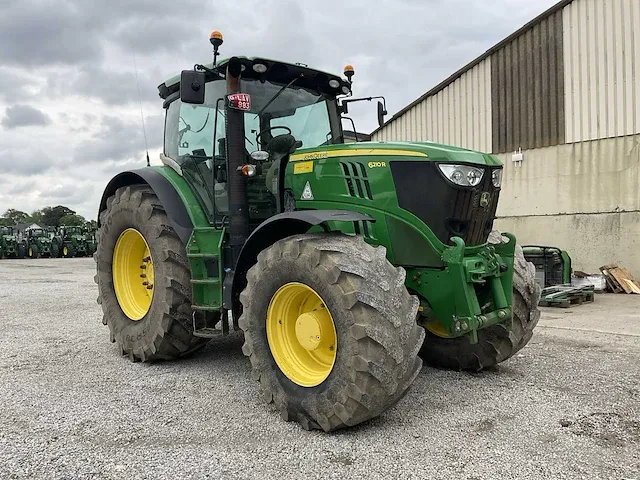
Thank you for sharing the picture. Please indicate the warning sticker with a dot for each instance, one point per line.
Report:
(307, 194)
(302, 167)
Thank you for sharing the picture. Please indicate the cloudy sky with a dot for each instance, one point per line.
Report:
(69, 109)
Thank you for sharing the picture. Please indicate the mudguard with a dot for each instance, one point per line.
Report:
(169, 198)
(270, 231)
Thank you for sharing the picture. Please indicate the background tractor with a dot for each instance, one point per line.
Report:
(10, 246)
(38, 243)
(74, 242)
(343, 264)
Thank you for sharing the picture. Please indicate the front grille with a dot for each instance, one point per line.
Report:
(355, 175)
(447, 209)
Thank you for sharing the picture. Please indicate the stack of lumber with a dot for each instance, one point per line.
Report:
(619, 280)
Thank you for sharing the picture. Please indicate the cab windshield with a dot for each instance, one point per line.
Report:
(190, 128)
(195, 136)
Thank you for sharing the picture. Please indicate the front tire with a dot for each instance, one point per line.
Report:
(498, 342)
(159, 326)
(373, 319)
(69, 251)
(55, 250)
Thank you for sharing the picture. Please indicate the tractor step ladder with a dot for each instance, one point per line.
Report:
(212, 332)
(207, 283)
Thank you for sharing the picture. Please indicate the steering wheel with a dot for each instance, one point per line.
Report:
(282, 127)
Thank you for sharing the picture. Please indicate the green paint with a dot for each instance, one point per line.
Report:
(566, 266)
(39, 241)
(77, 240)
(468, 279)
(432, 151)
(464, 291)
(549, 256)
(8, 242)
(461, 288)
(204, 247)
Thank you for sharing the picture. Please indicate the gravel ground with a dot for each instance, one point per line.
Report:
(568, 406)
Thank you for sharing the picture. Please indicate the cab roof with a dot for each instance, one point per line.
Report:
(277, 71)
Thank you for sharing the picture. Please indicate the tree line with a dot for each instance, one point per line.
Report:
(46, 217)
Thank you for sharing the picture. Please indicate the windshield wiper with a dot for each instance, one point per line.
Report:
(278, 94)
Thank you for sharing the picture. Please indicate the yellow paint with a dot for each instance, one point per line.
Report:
(133, 276)
(355, 152)
(303, 167)
(301, 334)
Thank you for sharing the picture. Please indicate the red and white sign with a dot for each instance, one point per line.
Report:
(239, 101)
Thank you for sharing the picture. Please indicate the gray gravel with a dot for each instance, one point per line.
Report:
(72, 407)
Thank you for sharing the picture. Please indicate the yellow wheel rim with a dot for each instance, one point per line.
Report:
(132, 271)
(301, 334)
(65, 251)
(30, 252)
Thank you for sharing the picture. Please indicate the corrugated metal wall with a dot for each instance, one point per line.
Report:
(572, 76)
(528, 89)
(602, 68)
(460, 114)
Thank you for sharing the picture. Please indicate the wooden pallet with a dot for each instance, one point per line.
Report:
(620, 280)
(564, 296)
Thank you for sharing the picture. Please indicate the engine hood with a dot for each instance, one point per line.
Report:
(429, 151)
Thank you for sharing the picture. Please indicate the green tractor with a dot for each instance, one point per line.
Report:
(10, 246)
(73, 241)
(345, 265)
(552, 264)
(90, 238)
(38, 243)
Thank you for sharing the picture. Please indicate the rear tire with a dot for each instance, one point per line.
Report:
(22, 251)
(55, 250)
(166, 330)
(496, 343)
(378, 339)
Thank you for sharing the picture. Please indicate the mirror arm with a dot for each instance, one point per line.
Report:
(214, 71)
(344, 103)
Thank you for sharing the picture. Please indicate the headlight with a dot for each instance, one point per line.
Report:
(496, 177)
(462, 175)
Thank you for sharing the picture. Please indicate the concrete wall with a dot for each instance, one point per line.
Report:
(583, 197)
(591, 240)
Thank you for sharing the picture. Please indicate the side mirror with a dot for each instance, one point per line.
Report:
(381, 113)
(192, 85)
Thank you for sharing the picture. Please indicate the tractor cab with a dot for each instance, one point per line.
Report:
(278, 108)
(70, 231)
(37, 233)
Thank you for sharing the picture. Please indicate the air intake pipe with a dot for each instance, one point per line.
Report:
(238, 206)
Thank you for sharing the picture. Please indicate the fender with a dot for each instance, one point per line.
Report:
(270, 231)
(169, 198)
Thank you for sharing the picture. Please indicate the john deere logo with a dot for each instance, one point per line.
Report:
(484, 199)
